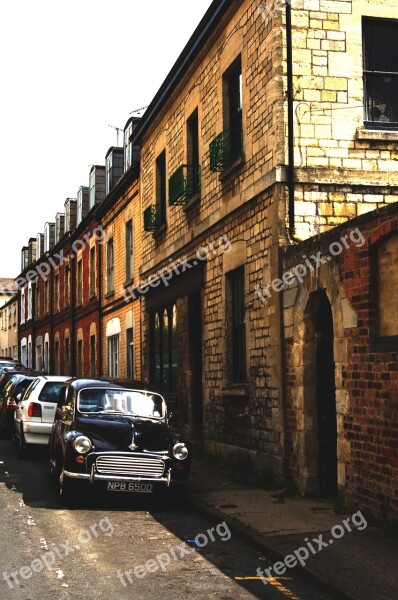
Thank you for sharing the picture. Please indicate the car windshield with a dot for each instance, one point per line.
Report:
(138, 403)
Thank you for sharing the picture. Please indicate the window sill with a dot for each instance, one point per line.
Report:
(236, 389)
(194, 200)
(128, 282)
(383, 135)
(78, 304)
(225, 173)
(93, 297)
(109, 294)
(160, 230)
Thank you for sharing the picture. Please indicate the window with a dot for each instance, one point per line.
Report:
(37, 301)
(164, 342)
(130, 353)
(79, 283)
(39, 357)
(67, 286)
(92, 272)
(46, 297)
(110, 270)
(29, 302)
(67, 356)
(193, 175)
(22, 306)
(113, 356)
(79, 359)
(92, 357)
(232, 87)
(227, 147)
(56, 358)
(56, 293)
(46, 357)
(161, 189)
(380, 70)
(387, 259)
(236, 329)
(129, 250)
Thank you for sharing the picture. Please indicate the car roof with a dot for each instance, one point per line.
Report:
(79, 384)
(60, 378)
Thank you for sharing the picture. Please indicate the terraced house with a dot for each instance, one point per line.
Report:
(277, 124)
(120, 217)
(249, 270)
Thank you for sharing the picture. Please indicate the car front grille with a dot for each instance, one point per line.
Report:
(139, 466)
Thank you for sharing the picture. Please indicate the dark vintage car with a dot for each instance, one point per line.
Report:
(115, 436)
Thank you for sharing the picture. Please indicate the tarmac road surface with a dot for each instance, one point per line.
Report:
(113, 546)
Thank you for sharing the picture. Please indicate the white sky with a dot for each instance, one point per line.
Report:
(68, 70)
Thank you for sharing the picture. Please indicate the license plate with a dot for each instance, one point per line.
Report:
(129, 486)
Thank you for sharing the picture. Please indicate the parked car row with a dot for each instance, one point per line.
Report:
(111, 434)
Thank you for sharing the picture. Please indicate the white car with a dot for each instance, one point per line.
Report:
(35, 412)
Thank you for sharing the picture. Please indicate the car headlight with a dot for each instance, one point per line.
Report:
(180, 451)
(82, 444)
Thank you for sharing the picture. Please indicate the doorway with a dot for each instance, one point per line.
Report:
(195, 345)
(326, 399)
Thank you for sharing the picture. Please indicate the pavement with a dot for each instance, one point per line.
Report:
(354, 565)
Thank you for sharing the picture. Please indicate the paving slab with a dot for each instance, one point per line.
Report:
(354, 565)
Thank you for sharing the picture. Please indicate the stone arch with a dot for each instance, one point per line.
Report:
(305, 437)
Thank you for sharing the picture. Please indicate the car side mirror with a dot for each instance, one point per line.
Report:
(18, 398)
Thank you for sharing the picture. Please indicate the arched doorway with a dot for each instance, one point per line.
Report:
(326, 398)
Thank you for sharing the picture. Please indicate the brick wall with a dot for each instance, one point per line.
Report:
(366, 373)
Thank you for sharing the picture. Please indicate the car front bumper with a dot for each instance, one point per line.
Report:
(92, 477)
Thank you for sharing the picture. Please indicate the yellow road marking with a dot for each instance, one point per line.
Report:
(274, 581)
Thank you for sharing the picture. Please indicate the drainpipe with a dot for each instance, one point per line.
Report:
(290, 119)
(100, 335)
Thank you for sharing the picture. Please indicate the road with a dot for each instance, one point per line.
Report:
(116, 547)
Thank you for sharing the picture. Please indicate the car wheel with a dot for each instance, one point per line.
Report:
(68, 491)
(14, 439)
(22, 445)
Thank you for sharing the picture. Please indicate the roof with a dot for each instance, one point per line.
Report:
(201, 34)
(7, 284)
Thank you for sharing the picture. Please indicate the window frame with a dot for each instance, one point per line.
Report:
(110, 266)
(370, 74)
(93, 279)
(236, 326)
(113, 347)
(129, 250)
(79, 282)
(161, 189)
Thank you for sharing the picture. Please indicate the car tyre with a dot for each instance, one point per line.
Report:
(69, 491)
(22, 445)
(14, 439)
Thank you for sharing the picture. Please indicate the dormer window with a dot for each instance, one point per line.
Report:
(131, 153)
(113, 167)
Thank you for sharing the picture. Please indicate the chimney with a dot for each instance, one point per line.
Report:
(82, 203)
(49, 236)
(24, 258)
(32, 251)
(39, 245)
(59, 226)
(131, 153)
(114, 167)
(70, 214)
(97, 185)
